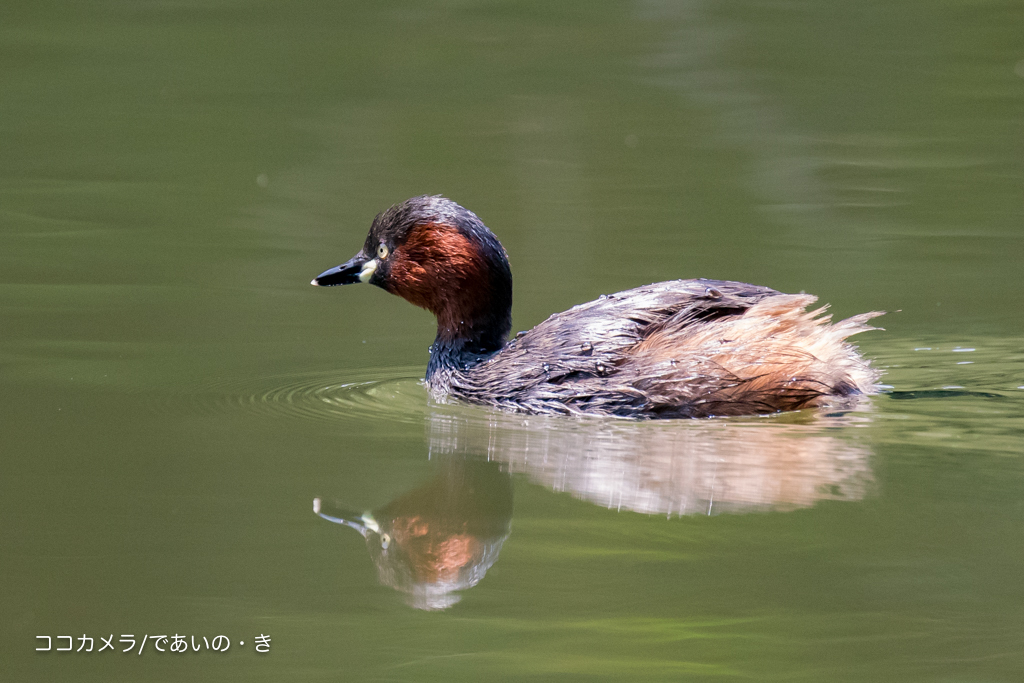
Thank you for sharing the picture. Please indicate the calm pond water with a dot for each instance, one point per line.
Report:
(175, 395)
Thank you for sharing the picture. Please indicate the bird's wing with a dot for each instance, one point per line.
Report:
(589, 339)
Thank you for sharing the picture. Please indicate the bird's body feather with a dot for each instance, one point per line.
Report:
(683, 348)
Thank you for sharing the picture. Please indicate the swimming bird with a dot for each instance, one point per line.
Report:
(676, 349)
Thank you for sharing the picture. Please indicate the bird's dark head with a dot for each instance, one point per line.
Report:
(438, 255)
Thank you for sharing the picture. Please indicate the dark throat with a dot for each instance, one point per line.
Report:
(465, 340)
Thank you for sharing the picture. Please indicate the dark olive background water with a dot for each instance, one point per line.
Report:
(174, 394)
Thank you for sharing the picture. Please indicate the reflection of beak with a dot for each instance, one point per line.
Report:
(361, 522)
(359, 268)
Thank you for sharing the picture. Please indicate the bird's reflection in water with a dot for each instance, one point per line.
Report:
(676, 467)
(440, 537)
(444, 535)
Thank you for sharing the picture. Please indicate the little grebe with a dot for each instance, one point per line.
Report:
(684, 348)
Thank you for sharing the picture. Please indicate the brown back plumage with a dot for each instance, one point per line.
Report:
(685, 348)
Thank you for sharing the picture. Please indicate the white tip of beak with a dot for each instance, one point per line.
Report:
(314, 283)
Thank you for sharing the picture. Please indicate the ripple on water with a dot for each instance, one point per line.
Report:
(942, 401)
(394, 395)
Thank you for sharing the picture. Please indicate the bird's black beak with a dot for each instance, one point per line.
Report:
(359, 268)
(364, 522)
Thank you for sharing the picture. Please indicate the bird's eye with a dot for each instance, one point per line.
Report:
(382, 251)
(385, 540)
